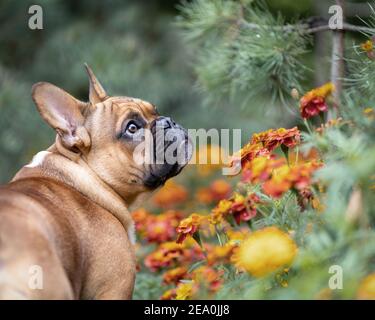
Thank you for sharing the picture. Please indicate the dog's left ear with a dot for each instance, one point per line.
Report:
(97, 92)
(64, 113)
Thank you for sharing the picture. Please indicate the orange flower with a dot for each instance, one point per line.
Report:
(260, 169)
(236, 236)
(263, 143)
(240, 207)
(189, 226)
(220, 254)
(287, 137)
(169, 294)
(185, 291)
(140, 217)
(285, 178)
(161, 228)
(220, 189)
(174, 275)
(313, 102)
(204, 196)
(170, 195)
(249, 152)
(279, 183)
(243, 209)
(367, 46)
(219, 211)
(164, 256)
(208, 277)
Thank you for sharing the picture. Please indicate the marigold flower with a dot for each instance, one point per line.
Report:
(174, 275)
(236, 236)
(284, 178)
(263, 143)
(161, 228)
(260, 169)
(208, 277)
(220, 189)
(369, 113)
(265, 251)
(220, 211)
(220, 253)
(367, 46)
(170, 195)
(204, 196)
(279, 183)
(288, 137)
(366, 290)
(164, 256)
(169, 294)
(189, 226)
(140, 217)
(313, 102)
(185, 291)
(243, 208)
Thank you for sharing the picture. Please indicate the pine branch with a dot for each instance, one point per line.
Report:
(307, 28)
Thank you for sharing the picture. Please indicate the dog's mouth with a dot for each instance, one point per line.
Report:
(172, 150)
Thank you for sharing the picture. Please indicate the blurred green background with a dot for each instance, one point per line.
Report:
(134, 48)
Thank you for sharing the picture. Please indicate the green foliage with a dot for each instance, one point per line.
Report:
(148, 286)
(130, 47)
(244, 51)
(22, 132)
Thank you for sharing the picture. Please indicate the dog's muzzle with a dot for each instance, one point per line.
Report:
(172, 150)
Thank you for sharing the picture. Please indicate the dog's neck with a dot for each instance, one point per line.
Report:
(81, 177)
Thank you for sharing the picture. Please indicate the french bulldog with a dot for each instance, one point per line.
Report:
(65, 227)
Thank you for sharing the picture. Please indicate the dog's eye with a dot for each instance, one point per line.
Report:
(131, 128)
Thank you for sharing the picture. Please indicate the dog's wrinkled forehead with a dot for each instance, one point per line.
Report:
(146, 109)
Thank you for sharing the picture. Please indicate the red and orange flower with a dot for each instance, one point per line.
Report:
(262, 144)
(284, 178)
(314, 101)
(244, 208)
(174, 275)
(165, 255)
(189, 226)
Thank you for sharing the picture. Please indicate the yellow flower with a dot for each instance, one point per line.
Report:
(219, 211)
(367, 46)
(236, 236)
(366, 290)
(184, 291)
(369, 113)
(189, 226)
(265, 251)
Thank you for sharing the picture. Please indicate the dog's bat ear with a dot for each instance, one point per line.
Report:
(62, 112)
(97, 93)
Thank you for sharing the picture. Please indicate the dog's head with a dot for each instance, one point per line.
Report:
(123, 140)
